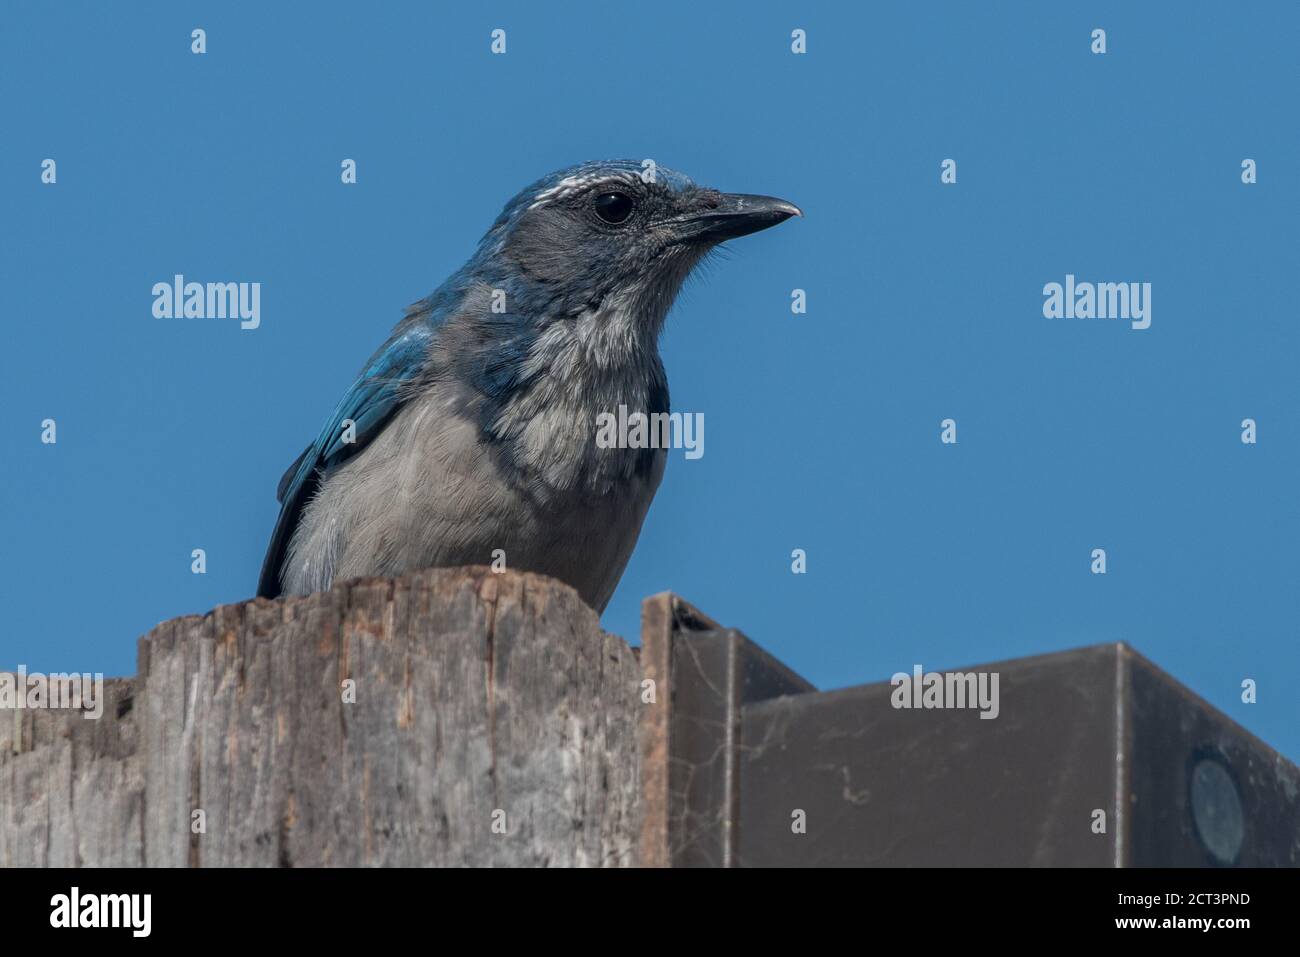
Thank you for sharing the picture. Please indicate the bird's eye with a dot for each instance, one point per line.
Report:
(613, 208)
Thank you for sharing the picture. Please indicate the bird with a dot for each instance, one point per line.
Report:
(469, 434)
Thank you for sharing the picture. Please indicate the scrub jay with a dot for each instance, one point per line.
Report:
(473, 428)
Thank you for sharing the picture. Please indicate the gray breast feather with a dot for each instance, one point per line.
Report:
(431, 491)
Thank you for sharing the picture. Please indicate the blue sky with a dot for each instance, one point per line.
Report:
(924, 303)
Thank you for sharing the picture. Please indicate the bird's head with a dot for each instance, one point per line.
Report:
(619, 235)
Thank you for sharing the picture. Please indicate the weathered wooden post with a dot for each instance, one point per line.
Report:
(451, 717)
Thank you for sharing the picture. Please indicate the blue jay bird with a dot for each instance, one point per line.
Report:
(473, 427)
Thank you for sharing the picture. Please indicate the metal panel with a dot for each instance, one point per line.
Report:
(1206, 792)
(889, 787)
(704, 675)
(1096, 758)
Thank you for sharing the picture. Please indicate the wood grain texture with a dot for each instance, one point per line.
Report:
(475, 693)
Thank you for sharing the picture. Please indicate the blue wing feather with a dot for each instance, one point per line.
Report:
(371, 401)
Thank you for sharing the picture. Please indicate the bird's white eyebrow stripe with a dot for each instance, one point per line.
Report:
(572, 184)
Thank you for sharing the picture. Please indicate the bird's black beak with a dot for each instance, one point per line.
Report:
(736, 214)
